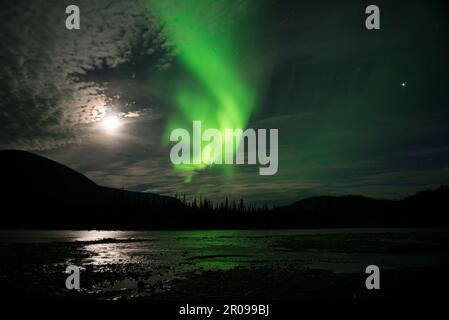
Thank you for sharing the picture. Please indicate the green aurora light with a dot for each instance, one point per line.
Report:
(217, 89)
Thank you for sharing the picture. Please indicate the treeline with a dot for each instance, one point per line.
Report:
(42, 194)
(227, 206)
(424, 209)
(118, 209)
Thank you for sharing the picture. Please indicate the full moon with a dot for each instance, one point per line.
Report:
(111, 124)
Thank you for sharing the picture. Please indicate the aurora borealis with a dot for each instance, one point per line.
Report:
(334, 90)
(216, 90)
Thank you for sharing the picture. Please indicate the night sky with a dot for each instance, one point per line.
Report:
(358, 111)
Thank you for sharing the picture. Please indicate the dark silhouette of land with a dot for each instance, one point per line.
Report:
(38, 193)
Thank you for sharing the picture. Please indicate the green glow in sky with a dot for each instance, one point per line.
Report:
(215, 89)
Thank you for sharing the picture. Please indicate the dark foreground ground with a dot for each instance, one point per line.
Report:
(226, 265)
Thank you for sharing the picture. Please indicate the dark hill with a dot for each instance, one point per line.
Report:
(39, 193)
(344, 211)
(24, 171)
(42, 193)
(425, 209)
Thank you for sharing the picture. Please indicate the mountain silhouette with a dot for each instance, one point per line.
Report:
(40, 193)
(425, 209)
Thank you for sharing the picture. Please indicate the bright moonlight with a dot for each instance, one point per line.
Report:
(111, 124)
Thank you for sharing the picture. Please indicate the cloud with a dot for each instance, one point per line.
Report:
(46, 93)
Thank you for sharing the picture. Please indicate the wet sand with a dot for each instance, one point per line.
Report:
(225, 265)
